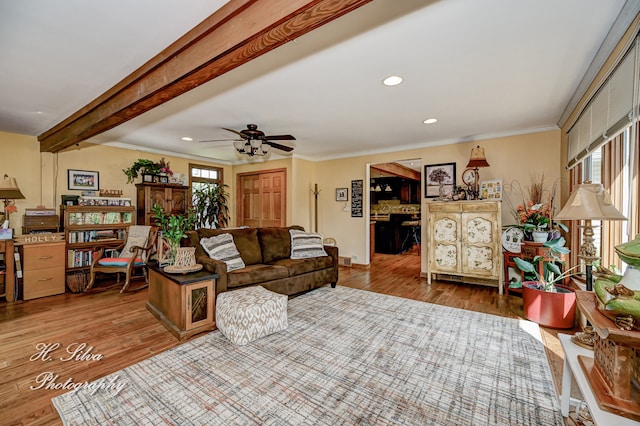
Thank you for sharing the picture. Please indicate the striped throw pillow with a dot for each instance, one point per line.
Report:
(221, 247)
(306, 244)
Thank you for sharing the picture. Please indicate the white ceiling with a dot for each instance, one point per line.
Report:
(484, 68)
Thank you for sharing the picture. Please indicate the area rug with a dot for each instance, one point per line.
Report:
(348, 357)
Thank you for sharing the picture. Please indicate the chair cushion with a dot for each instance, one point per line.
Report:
(305, 245)
(221, 247)
(119, 261)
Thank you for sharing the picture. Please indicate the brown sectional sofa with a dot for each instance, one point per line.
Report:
(266, 253)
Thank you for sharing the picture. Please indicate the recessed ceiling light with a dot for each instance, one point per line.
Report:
(186, 138)
(393, 80)
(430, 120)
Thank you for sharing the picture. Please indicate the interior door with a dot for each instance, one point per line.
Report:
(262, 199)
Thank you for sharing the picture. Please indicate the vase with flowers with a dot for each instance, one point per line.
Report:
(535, 220)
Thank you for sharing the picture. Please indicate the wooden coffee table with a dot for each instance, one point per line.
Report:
(183, 303)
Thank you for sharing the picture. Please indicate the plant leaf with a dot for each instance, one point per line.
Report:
(523, 265)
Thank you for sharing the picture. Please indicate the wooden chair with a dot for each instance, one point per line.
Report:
(133, 253)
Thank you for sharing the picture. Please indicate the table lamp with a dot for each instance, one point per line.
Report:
(9, 191)
(470, 176)
(589, 201)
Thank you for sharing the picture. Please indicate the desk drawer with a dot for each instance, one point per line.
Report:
(40, 256)
(43, 282)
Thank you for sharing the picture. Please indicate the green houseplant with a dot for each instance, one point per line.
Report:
(173, 227)
(211, 206)
(545, 301)
(146, 167)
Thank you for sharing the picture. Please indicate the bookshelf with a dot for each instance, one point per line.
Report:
(87, 229)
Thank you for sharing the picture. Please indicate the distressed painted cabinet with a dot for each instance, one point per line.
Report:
(463, 242)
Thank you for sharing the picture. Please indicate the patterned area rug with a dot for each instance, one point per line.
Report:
(348, 357)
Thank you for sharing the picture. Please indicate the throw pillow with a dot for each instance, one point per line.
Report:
(119, 261)
(221, 247)
(306, 244)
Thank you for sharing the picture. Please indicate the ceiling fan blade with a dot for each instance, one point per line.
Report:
(278, 146)
(242, 135)
(221, 140)
(280, 138)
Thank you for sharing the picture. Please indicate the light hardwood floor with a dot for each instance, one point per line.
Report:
(119, 327)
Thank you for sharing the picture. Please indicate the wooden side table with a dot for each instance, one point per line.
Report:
(183, 303)
(571, 368)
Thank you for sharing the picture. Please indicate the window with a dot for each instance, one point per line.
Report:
(201, 177)
(612, 165)
(204, 175)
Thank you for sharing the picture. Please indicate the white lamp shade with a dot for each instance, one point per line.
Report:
(589, 201)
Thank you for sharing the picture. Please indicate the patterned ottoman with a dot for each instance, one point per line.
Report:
(250, 313)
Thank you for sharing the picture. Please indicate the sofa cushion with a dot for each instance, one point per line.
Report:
(303, 266)
(276, 243)
(221, 247)
(306, 245)
(255, 274)
(246, 240)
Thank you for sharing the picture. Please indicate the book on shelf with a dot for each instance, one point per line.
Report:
(111, 218)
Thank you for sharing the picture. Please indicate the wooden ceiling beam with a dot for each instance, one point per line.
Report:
(396, 169)
(238, 32)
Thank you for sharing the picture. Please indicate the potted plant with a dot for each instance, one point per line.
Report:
(173, 227)
(211, 207)
(545, 301)
(147, 167)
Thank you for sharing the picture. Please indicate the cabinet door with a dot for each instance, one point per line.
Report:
(479, 235)
(444, 231)
(177, 200)
(156, 196)
(199, 304)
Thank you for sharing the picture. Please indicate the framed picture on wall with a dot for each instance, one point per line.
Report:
(342, 194)
(83, 180)
(439, 175)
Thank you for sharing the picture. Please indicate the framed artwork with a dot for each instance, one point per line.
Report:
(491, 189)
(342, 194)
(436, 175)
(83, 180)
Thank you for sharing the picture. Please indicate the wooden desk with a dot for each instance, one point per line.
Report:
(572, 366)
(6, 247)
(183, 303)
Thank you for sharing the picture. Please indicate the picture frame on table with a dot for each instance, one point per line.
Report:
(436, 175)
(491, 189)
(83, 180)
(342, 194)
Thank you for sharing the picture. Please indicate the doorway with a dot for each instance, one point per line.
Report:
(262, 198)
(395, 208)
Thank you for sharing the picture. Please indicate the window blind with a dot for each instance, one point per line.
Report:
(608, 113)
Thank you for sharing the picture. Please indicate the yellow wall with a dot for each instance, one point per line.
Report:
(43, 177)
(21, 159)
(512, 159)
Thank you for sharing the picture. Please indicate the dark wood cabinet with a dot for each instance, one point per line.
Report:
(172, 198)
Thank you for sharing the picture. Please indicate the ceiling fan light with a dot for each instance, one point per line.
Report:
(255, 143)
(265, 149)
(239, 145)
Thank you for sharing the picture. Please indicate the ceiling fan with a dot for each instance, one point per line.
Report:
(255, 142)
